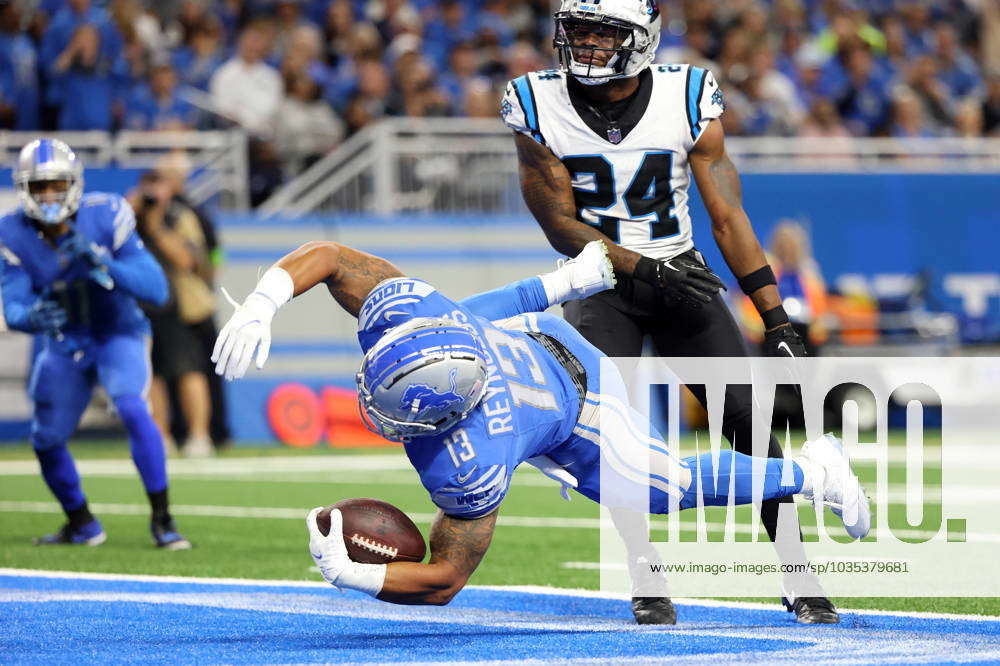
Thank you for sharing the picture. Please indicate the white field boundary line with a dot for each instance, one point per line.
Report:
(400, 473)
(524, 589)
(283, 513)
(965, 456)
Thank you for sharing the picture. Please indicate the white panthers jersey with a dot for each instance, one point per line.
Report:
(634, 188)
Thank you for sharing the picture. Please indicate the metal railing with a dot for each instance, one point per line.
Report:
(217, 159)
(469, 165)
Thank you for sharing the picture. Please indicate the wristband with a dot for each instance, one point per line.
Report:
(276, 286)
(761, 277)
(774, 318)
(367, 578)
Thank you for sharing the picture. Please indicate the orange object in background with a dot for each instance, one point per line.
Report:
(295, 414)
(344, 428)
(300, 418)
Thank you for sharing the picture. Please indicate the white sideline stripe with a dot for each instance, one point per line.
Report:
(338, 467)
(231, 466)
(279, 513)
(287, 513)
(526, 589)
(967, 457)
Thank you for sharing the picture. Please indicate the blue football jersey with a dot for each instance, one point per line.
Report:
(529, 408)
(103, 218)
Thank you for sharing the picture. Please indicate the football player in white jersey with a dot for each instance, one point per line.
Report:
(604, 145)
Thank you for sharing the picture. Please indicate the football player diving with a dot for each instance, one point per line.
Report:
(72, 269)
(604, 146)
(475, 388)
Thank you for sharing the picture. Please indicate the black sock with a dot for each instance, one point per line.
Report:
(80, 517)
(158, 501)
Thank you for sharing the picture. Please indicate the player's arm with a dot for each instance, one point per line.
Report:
(134, 270)
(348, 274)
(547, 189)
(23, 309)
(589, 273)
(457, 548)
(719, 185)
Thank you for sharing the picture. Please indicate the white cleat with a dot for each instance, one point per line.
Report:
(591, 271)
(832, 483)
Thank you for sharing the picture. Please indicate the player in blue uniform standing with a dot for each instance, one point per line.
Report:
(73, 270)
(476, 388)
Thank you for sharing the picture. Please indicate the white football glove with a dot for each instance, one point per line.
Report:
(330, 555)
(248, 330)
(328, 552)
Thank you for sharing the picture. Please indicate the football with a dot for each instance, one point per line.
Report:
(375, 532)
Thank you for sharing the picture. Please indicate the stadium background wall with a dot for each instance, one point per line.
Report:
(880, 229)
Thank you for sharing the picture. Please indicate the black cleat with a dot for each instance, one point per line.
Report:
(166, 536)
(813, 610)
(91, 534)
(654, 610)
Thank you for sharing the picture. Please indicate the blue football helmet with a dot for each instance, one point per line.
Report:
(48, 160)
(421, 378)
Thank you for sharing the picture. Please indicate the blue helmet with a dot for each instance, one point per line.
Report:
(48, 160)
(421, 378)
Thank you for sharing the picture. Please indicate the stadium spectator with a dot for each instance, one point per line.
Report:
(908, 117)
(824, 122)
(863, 97)
(303, 55)
(18, 72)
(801, 285)
(173, 234)
(86, 80)
(773, 59)
(449, 26)
(916, 16)
(308, 128)
(201, 55)
(991, 106)
(246, 89)
(174, 169)
(969, 119)
(933, 94)
(158, 106)
(956, 68)
(289, 20)
(463, 67)
(81, 52)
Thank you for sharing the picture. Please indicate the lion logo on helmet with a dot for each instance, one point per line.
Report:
(419, 398)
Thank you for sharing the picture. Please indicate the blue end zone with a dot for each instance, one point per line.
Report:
(64, 620)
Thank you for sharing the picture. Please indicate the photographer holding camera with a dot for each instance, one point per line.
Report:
(173, 234)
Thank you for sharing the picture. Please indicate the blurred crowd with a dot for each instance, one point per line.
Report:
(300, 75)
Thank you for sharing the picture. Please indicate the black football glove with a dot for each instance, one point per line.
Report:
(679, 280)
(784, 342)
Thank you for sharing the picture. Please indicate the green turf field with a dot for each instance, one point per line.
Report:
(244, 511)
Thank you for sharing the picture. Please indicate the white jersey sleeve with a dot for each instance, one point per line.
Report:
(705, 101)
(519, 110)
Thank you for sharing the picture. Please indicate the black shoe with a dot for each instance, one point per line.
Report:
(91, 534)
(812, 610)
(654, 610)
(166, 536)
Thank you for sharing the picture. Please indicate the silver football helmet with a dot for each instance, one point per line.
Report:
(45, 160)
(623, 33)
(421, 378)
